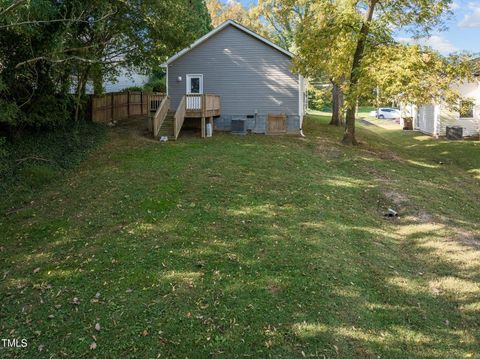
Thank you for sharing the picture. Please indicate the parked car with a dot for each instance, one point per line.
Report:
(387, 113)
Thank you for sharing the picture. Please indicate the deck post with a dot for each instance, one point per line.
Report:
(210, 121)
(203, 126)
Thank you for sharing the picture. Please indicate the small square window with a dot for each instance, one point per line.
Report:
(466, 109)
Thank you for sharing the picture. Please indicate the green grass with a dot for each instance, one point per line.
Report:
(250, 246)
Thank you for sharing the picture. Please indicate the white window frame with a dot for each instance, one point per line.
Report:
(188, 77)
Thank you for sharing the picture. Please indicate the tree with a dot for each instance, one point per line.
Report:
(234, 10)
(281, 19)
(44, 44)
(335, 37)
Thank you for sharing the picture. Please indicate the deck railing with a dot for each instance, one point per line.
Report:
(155, 100)
(204, 105)
(179, 117)
(160, 114)
(193, 102)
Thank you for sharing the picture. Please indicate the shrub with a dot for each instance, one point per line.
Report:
(132, 89)
(156, 84)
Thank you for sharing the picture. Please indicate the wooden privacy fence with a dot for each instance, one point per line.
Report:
(120, 105)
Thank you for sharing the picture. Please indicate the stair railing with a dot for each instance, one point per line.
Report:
(179, 118)
(160, 115)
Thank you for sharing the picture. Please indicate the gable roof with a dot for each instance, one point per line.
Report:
(220, 28)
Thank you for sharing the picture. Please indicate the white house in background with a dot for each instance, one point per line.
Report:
(123, 80)
(433, 119)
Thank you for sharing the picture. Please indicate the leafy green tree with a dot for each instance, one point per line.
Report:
(337, 37)
(45, 44)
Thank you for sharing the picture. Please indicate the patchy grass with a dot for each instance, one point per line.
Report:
(39, 158)
(250, 246)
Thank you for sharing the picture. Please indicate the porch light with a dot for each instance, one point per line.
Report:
(179, 78)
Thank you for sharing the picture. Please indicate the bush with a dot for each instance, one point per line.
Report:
(320, 99)
(4, 157)
(132, 89)
(156, 84)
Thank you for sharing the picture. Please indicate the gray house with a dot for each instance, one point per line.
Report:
(233, 77)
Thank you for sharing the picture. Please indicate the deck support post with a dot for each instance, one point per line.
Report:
(203, 126)
(210, 121)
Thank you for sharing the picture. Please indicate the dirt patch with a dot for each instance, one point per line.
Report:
(273, 288)
(469, 239)
(420, 217)
(396, 197)
(329, 152)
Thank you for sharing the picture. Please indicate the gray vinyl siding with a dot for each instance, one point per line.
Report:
(248, 74)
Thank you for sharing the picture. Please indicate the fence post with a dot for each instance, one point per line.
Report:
(141, 102)
(111, 110)
(128, 103)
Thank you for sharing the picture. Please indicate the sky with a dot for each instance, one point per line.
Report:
(463, 33)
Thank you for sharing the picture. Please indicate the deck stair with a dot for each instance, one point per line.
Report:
(165, 122)
(166, 129)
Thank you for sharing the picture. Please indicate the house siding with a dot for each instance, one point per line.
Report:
(426, 119)
(428, 114)
(471, 127)
(251, 77)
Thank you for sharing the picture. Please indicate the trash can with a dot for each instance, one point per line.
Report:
(454, 132)
(407, 123)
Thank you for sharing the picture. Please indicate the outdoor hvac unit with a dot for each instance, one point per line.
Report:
(454, 132)
(239, 126)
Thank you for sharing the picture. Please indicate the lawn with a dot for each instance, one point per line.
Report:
(250, 246)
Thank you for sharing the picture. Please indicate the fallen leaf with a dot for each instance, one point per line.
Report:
(145, 333)
(36, 270)
(93, 346)
(97, 327)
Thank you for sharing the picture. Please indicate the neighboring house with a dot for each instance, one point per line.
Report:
(250, 76)
(433, 119)
(123, 80)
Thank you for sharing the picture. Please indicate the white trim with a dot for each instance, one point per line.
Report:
(166, 81)
(188, 77)
(300, 99)
(218, 29)
(436, 120)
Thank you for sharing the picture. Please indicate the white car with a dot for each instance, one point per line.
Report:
(387, 113)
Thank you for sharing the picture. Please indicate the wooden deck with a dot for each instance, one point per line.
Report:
(202, 106)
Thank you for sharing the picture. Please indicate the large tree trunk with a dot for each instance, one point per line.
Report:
(81, 87)
(349, 134)
(97, 77)
(337, 105)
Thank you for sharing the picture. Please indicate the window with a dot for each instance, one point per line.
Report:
(466, 109)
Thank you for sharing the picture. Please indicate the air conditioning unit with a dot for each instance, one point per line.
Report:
(454, 132)
(239, 126)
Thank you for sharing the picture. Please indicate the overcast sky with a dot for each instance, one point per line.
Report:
(463, 32)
